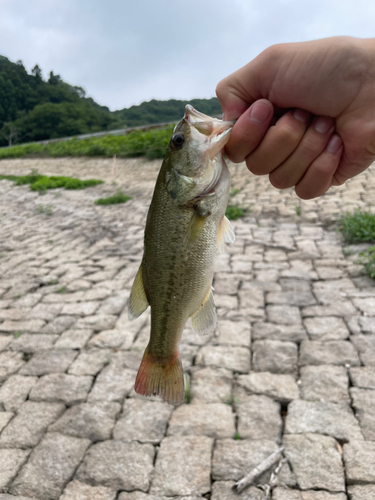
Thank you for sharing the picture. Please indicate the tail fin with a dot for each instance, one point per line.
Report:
(163, 378)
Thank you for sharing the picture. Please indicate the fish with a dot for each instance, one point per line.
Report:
(186, 226)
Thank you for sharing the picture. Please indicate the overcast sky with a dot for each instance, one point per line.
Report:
(124, 52)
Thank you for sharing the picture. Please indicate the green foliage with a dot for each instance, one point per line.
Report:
(233, 192)
(151, 144)
(187, 389)
(358, 227)
(45, 209)
(8, 178)
(237, 436)
(367, 258)
(233, 212)
(298, 210)
(118, 197)
(18, 334)
(41, 183)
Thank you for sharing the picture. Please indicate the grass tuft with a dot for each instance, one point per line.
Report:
(367, 258)
(118, 197)
(233, 212)
(358, 227)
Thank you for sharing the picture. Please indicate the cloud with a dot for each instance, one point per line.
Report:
(125, 52)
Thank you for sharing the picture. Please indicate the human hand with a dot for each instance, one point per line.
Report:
(325, 93)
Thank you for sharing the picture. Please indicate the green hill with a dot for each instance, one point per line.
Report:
(34, 109)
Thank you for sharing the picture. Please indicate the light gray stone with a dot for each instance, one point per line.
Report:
(46, 311)
(5, 417)
(29, 425)
(214, 420)
(291, 298)
(230, 357)
(90, 362)
(15, 391)
(316, 461)
(359, 459)
(326, 328)
(287, 494)
(118, 465)
(270, 331)
(183, 466)
(114, 383)
(33, 342)
(10, 463)
(80, 308)
(73, 339)
(232, 460)
(5, 496)
(284, 315)
(115, 304)
(367, 324)
(143, 421)
(30, 326)
(360, 492)
(43, 362)
(82, 491)
(275, 356)
(338, 352)
(258, 418)
(233, 332)
(210, 385)
(90, 421)
(366, 305)
(98, 322)
(337, 308)
(50, 466)
(336, 420)
(59, 324)
(138, 495)
(324, 383)
(5, 340)
(363, 377)
(223, 490)
(60, 387)
(366, 348)
(364, 404)
(283, 388)
(10, 362)
(114, 339)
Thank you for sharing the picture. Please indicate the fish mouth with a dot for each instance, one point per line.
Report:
(217, 131)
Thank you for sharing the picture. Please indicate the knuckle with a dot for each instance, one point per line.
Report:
(289, 134)
(280, 181)
(221, 89)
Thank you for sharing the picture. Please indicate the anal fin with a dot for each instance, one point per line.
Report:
(138, 302)
(203, 321)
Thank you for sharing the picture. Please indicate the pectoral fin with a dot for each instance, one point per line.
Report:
(225, 234)
(203, 320)
(194, 229)
(138, 302)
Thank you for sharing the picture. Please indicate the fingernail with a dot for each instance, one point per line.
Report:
(323, 124)
(334, 144)
(301, 115)
(259, 112)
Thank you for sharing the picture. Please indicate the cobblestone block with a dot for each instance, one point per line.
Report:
(270, 331)
(50, 466)
(80, 308)
(230, 357)
(360, 492)
(284, 315)
(44, 362)
(5, 417)
(367, 324)
(233, 332)
(46, 312)
(232, 460)
(183, 466)
(90, 362)
(5, 340)
(366, 348)
(29, 425)
(366, 305)
(118, 465)
(214, 420)
(14, 314)
(338, 352)
(114, 339)
(114, 383)
(210, 385)
(275, 356)
(15, 391)
(10, 463)
(115, 304)
(283, 388)
(284, 494)
(82, 491)
(62, 388)
(324, 383)
(337, 308)
(364, 404)
(291, 298)
(359, 459)
(258, 418)
(326, 328)
(223, 490)
(90, 421)
(31, 326)
(10, 362)
(98, 322)
(59, 325)
(316, 461)
(336, 420)
(73, 339)
(363, 377)
(143, 421)
(33, 342)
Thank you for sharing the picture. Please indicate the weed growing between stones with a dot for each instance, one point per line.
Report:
(41, 183)
(298, 210)
(367, 258)
(118, 197)
(45, 209)
(233, 212)
(358, 227)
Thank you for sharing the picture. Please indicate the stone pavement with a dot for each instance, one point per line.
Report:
(292, 360)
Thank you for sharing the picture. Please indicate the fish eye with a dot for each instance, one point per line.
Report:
(178, 140)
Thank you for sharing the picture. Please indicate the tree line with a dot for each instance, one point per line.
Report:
(33, 108)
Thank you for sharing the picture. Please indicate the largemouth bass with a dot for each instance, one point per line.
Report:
(185, 226)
